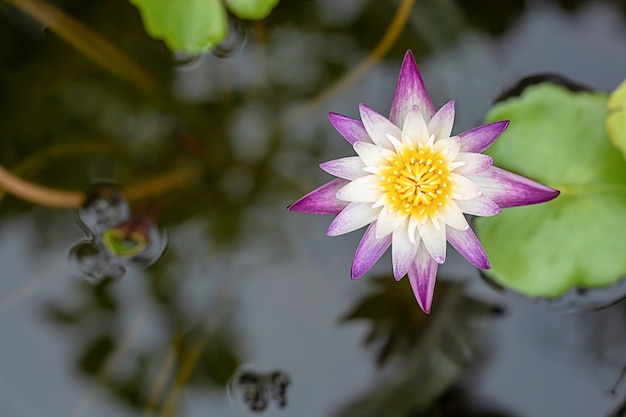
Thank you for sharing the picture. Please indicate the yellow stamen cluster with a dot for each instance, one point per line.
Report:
(416, 182)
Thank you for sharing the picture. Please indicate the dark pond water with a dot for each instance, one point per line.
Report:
(250, 309)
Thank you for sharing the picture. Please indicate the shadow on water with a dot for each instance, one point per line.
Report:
(212, 275)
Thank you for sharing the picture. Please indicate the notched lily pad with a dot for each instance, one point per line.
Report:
(616, 120)
(558, 137)
(196, 26)
(251, 9)
(189, 26)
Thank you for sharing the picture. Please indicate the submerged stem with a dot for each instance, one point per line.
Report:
(54, 198)
(89, 43)
(380, 50)
(38, 194)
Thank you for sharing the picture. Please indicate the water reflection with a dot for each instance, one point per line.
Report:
(429, 352)
(117, 237)
(577, 299)
(141, 341)
(258, 390)
(456, 402)
(146, 361)
(398, 328)
(235, 39)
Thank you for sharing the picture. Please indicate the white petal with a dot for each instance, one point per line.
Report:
(434, 239)
(378, 127)
(463, 188)
(479, 206)
(397, 144)
(449, 147)
(441, 123)
(352, 130)
(452, 215)
(414, 235)
(354, 216)
(368, 252)
(349, 168)
(361, 190)
(388, 222)
(473, 163)
(467, 244)
(372, 155)
(414, 129)
(402, 253)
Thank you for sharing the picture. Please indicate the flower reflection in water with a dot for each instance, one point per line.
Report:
(428, 354)
(117, 237)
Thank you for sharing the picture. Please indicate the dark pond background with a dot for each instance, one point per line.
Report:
(251, 309)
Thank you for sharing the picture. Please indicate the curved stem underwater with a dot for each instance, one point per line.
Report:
(54, 198)
(86, 41)
(380, 50)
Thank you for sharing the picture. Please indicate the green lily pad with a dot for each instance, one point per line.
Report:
(616, 120)
(191, 26)
(558, 138)
(251, 9)
(118, 244)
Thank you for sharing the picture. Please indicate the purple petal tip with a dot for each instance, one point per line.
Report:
(354, 274)
(321, 200)
(425, 301)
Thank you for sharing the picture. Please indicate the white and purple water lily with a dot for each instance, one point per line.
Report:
(412, 182)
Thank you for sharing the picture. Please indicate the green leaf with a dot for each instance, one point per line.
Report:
(616, 120)
(191, 26)
(251, 9)
(557, 137)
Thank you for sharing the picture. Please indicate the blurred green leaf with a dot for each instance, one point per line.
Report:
(558, 137)
(616, 120)
(251, 9)
(191, 26)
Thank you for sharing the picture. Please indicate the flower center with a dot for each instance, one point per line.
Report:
(416, 182)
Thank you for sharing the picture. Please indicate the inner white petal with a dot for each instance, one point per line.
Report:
(394, 141)
(378, 126)
(463, 188)
(441, 123)
(434, 239)
(479, 206)
(361, 190)
(475, 163)
(403, 252)
(414, 129)
(452, 215)
(372, 155)
(389, 222)
(349, 168)
(413, 231)
(449, 147)
(354, 216)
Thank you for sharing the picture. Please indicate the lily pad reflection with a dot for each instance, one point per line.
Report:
(117, 237)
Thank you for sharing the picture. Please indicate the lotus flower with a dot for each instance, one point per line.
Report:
(412, 182)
